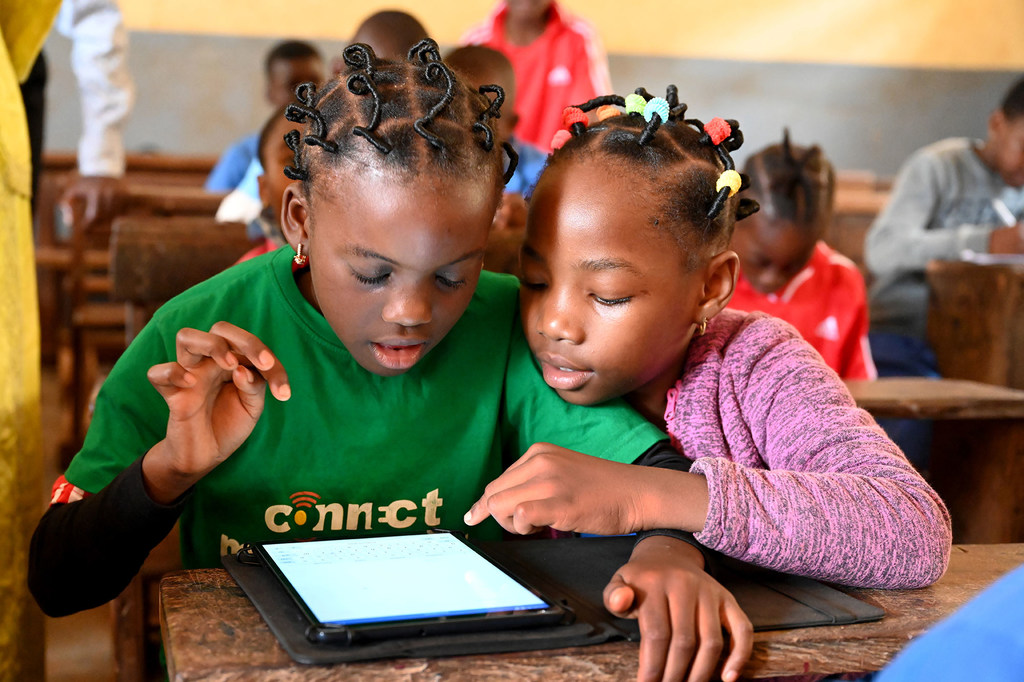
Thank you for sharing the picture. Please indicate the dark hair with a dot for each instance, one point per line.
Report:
(1013, 103)
(288, 50)
(793, 183)
(404, 115)
(682, 160)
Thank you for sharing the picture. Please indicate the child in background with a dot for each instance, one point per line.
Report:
(288, 64)
(954, 195)
(389, 33)
(275, 156)
(397, 370)
(626, 276)
(480, 65)
(558, 59)
(786, 270)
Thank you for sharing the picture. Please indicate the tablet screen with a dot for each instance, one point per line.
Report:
(375, 580)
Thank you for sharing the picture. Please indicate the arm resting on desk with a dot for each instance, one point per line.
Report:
(85, 553)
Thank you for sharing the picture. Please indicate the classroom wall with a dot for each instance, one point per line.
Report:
(869, 81)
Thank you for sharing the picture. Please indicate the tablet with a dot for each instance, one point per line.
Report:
(361, 589)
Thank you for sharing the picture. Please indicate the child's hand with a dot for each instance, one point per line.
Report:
(215, 398)
(681, 611)
(550, 486)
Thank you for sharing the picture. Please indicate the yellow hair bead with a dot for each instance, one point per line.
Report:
(607, 111)
(730, 179)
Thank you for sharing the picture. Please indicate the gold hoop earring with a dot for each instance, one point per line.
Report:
(300, 259)
(702, 327)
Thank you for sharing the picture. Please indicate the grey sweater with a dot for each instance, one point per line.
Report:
(942, 203)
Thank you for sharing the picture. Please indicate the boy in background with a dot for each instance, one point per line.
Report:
(274, 155)
(955, 195)
(287, 65)
(481, 65)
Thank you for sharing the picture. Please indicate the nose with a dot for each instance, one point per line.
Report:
(557, 319)
(408, 307)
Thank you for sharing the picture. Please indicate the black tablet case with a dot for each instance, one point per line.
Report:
(573, 571)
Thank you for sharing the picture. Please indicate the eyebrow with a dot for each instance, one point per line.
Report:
(591, 265)
(361, 252)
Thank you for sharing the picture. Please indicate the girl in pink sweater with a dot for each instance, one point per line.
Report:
(626, 275)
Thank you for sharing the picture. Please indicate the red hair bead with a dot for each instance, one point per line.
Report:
(572, 115)
(718, 129)
(561, 137)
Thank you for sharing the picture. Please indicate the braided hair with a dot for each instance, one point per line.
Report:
(407, 116)
(793, 183)
(685, 162)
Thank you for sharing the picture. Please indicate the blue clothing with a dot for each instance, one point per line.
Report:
(898, 355)
(233, 163)
(984, 640)
(248, 183)
(531, 163)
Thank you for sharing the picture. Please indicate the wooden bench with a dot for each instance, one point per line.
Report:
(53, 250)
(87, 327)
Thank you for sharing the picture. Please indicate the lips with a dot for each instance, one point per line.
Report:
(562, 375)
(398, 356)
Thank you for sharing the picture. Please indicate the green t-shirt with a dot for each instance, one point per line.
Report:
(351, 453)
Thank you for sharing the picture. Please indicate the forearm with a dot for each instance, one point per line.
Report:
(85, 553)
(671, 496)
(885, 530)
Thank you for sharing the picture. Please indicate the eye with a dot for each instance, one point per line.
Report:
(533, 286)
(372, 280)
(612, 301)
(450, 283)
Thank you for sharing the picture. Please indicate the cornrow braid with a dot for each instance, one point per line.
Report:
(795, 183)
(413, 113)
(685, 160)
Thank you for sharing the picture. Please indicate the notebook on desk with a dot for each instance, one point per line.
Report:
(573, 571)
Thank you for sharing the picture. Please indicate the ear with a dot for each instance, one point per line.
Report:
(719, 283)
(295, 215)
(996, 123)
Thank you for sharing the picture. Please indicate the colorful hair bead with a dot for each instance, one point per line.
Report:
(607, 111)
(561, 137)
(718, 130)
(730, 179)
(659, 106)
(635, 104)
(571, 115)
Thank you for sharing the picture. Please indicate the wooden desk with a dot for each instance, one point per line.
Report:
(212, 633)
(977, 463)
(976, 321)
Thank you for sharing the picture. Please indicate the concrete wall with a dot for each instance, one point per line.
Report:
(198, 92)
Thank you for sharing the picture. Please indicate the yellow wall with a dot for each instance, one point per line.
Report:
(983, 34)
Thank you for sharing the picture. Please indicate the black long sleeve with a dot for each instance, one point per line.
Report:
(85, 553)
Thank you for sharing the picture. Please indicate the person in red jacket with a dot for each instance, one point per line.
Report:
(558, 59)
(786, 269)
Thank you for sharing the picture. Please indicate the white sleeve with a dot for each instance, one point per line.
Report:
(99, 58)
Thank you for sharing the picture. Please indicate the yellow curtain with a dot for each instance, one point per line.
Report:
(23, 27)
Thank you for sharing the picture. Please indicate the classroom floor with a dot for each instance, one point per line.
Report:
(79, 648)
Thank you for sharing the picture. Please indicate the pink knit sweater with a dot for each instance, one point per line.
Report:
(800, 479)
